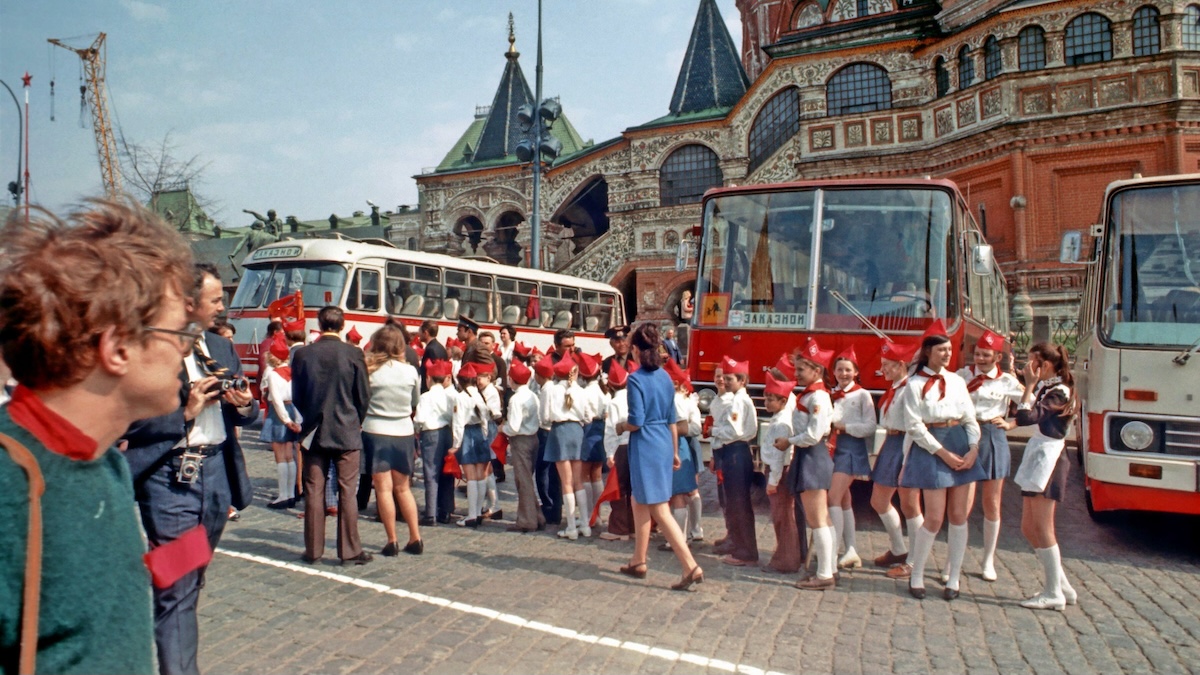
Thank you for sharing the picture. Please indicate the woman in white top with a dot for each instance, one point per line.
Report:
(853, 427)
(389, 436)
(284, 420)
(563, 409)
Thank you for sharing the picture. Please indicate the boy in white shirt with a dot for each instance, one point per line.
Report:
(432, 418)
(521, 427)
(786, 559)
(733, 429)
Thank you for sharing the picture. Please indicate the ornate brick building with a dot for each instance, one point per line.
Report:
(1031, 106)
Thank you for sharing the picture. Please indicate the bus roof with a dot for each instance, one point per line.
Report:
(346, 250)
(1149, 181)
(835, 183)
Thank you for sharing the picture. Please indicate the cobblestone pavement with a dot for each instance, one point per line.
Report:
(487, 601)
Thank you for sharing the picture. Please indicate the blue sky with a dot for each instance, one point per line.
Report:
(314, 107)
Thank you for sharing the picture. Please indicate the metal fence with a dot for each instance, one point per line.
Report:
(1064, 330)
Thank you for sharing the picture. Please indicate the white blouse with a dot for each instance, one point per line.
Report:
(812, 418)
(618, 411)
(856, 410)
(395, 391)
(921, 409)
(992, 397)
(780, 426)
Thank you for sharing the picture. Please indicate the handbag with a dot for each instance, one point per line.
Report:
(31, 596)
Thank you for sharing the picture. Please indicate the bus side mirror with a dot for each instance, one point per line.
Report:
(982, 260)
(1071, 248)
(681, 256)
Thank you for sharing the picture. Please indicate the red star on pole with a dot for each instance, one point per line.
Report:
(26, 78)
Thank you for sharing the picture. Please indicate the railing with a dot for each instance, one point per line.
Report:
(1064, 330)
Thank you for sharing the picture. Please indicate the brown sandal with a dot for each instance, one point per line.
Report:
(696, 576)
(637, 571)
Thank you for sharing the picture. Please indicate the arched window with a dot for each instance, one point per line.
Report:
(1031, 48)
(1191, 27)
(859, 87)
(942, 75)
(993, 62)
(1145, 31)
(687, 173)
(966, 68)
(863, 8)
(1088, 39)
(778, 121)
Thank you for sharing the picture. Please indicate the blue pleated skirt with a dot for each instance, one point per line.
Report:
(474, 448)
(593, 442)
(994, 454)
(889, 461)
(565, 442)
(683, 479)
(274, 430)
(850, 456)
(811, 469)
(927, 472)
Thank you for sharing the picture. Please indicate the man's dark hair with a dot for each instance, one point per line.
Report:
(274, 327)
(429, 328)
(331, 319)
(562, 334)
(512, 332)
(199, 271)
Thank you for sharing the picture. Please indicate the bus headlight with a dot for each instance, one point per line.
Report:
(704, 399)
(1137, 435)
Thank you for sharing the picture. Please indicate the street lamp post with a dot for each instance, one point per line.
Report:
(14, 187)
(532, 118)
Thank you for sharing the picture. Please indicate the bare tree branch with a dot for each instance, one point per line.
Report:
(153, 169)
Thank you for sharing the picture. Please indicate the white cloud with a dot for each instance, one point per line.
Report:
(145, 11)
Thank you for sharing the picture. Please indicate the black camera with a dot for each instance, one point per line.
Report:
(233, 383)
(189, 467)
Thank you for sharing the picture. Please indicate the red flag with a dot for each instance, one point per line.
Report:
(171, 561)
(611, 493)
(450, 467)
(288, 308)
(500, 447)
(533, 310)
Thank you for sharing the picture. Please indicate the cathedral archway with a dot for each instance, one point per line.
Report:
(503, 245)
(469, 230)
(585, 212)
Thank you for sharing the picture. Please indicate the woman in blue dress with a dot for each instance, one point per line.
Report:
(653, 455)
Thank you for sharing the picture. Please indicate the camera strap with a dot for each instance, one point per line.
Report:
(23, 458)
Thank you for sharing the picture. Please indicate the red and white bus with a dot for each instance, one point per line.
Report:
(779, 263)
(1139, 329)
(374, 280)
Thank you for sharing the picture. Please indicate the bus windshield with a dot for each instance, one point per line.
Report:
(322, 284)
(885, 251)
(1152, 294)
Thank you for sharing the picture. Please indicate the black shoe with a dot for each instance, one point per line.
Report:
(280, 505)
(444, 520)
(391, 549)
(415, 547)
(949, 593)
(496, 515)
(309, 561)
(360, 559)
(426, 521)
(918, 593)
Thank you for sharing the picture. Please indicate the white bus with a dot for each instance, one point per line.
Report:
(373, 280)
(1138, 375)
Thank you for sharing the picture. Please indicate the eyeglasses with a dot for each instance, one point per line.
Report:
(187, 337)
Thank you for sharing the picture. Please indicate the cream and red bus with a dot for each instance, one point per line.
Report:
(1139, 426)
(373, 280)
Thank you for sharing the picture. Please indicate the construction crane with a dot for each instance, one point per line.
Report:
(94, 58)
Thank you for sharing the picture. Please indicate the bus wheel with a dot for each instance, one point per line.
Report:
(1101, 517)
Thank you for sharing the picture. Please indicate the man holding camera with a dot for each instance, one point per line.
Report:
(188, 467)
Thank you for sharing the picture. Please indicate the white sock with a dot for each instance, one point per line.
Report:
(474, 489)
(590, 494)
(695, 510)
(822, 544)
(839, 523)
(914, 524)
(848, 531)
(1052, 566)
(291, 480)
(922, 546)
(681, 516)
(569, 509)
(957, 539)
(891, 523)
(597, 490)
(1063, 582)
(489, 502)
(284, 487)
(585, 510)
(991, 535)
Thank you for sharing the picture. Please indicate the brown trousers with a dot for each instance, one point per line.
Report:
(522, 451)
(316, 473)
(787, 541)
(620, 517)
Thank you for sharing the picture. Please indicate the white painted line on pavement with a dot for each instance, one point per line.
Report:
(567, 633)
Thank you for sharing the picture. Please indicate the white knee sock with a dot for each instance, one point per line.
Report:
(695, 510)
(922, 546)
(291, 479)
(914, 524)
(839, 523)
(891, 523)
(489, 501)
(681, 516)
(991, 535)
(1067, 589)
(597, 490)
(475, 493)
(284, 487)
(823, 546)
(957, 538)
(585, 510)
(569, 509)
(590, 494)
(848, 531)
(1052, 566)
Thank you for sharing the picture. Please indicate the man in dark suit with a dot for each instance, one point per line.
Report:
(434, 350)
(329, 388)
(200, 435)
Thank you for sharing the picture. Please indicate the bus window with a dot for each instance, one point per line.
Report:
(364, 291)
(412, 289)
(321, 283)
(467, 294)
(597, 311)
(518, 302)
(560, 307)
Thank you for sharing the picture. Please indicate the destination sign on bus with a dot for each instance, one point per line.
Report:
(743, 319)
(280, 252)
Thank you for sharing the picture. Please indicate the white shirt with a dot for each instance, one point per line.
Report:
(811, 427)
(469, 408)
(395, 390)
(856, 410)
(920, 409)
(209, 426)
(523, 417)
(491, 397)
(279, 393)
(738, 421)
(892, 419)
(435, 410)
(554, 403)
(992, 397)
(595, 401)
(687, 410)
(780, 426)
(618, 411)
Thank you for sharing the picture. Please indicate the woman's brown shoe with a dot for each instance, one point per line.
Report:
(696, 576)
(637, 570)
